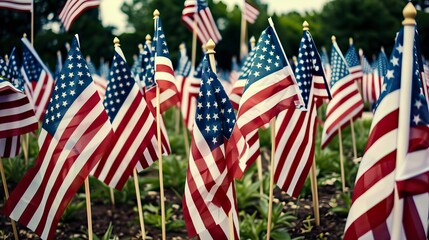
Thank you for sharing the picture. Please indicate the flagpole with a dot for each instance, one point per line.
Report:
(352, 127)
(194, 45)
(409, 24)
(26, 139)
(340, 142)
(32, 23)
(270, 203)
(6, 194)
(243, 45)
(88, 209)
(139, 203)
(158, 134)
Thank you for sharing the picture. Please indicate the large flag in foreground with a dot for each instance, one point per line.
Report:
(19, 5)
(209, 190)
(199, 11)
(74, 8)
(371, 214)
(75, 133)
(16, 118)
(296, 128)
(39, 80)
(132, 122)
(346, 103)
(270, 89)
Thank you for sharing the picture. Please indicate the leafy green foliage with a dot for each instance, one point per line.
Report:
(107, 235)
(248, 191)
(75, 206)
(152, 216)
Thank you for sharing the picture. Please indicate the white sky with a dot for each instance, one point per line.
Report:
(111, 9)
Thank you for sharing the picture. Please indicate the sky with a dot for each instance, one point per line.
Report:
(111, 9)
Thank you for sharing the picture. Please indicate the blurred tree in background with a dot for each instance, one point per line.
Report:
(372, 24)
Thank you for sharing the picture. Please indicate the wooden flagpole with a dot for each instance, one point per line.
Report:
(352, 127)
(88, 209)
(6, 194)
(26, 139)
(32, 22)
(210, 51)
(139, 203)
(186, 137)
(340, 142)
(158, 133)
(243, 44)
(194, 46)
(270, 203)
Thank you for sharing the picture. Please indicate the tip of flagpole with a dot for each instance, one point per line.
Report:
(140, 46)
(409, 13)
(182, 46)
(210, 46)
(6, 58)
(156, 13)
(24, 35)
(333, 38)
(305, 26)
(350, 41)
(382, 49)
(294, 59)
(360, 52)
(59, 53)
(116, 42)
(148, 37)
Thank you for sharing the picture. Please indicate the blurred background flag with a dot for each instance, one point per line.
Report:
(73, 9)
(19, 5)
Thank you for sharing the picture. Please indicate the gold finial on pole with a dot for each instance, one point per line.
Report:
(155, 13)
(116, 42)
(140, 46)
(333, 38)
(59, 53)
(210, 46)
(305, 26)
(295, 60)
(148, 38)
(382, 49)
(6, 58)
(409, 13)
(252, 42)
(24, 35)
(350, 41)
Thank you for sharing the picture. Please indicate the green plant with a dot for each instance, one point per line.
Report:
(107, 235)
(71, 211)
(339, 210)
(247, 191)
(252, 227)
(152, 216)
(307, 225)
(14, 169)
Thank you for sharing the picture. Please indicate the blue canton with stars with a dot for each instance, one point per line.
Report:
(267, 59)
(3, 67)
(148, 70)
(91, 66)
(199, 70)
(73, 80)
(215, 116)
(120, 85)
(351, 57)
(339, 66)
(13, 73)
(419, 109)
(31, 66)
(202, 4)
(184, 64)
(324, 57)
(136, 68)
(382, 63)
(309, 64)
(366, 67)
(245, 69)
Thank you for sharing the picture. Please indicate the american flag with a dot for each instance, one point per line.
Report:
(147, 70)
(132, 122)
(199, 11)
(3, 67)
(352, 60)
(59, 65)
(250, 12)
(189, 87)
(379, 71)
(326, 65)
(39, 81)
(20, 5)
(150, 95)
(235, 70)
(75, 133)
(371, 212)
(16, 118)
(237, 88)
(164, 72)
(270, 88)
(346, 103)
(209, 190)
(369, 84)
(296, 128)
(12, 72)
(74, 8)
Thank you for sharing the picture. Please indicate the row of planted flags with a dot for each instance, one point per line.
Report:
(110, 132)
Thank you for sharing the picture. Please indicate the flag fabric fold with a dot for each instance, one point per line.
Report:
(296, 128)
(73, 9)
(209, 190)
(19, 5)
(250, 12)
(75, 133)
(133, 124)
